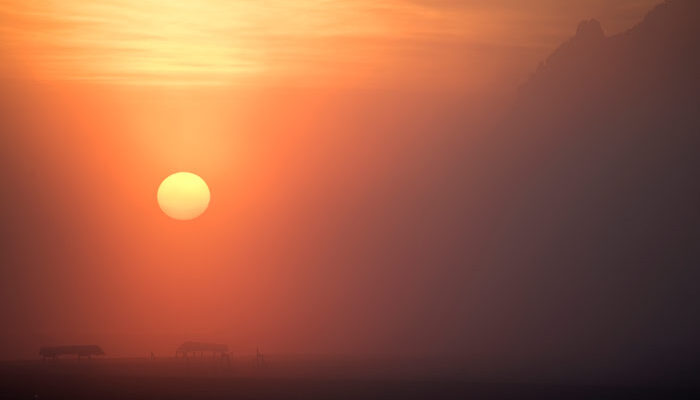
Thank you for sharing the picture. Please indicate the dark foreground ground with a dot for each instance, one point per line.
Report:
(290, 379)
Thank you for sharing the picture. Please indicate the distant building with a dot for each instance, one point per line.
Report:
(200, 347)
(77, 350)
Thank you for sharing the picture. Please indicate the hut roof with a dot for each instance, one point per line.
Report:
(82, 350)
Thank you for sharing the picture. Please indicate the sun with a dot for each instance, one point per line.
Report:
(183, 196)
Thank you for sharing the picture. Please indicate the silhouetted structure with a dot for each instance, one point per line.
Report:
(195, 347)
(78, 350)
(259, 358)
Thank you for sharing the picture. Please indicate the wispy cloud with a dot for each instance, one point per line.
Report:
(218, 41)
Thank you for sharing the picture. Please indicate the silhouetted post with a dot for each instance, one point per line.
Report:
(259, 357)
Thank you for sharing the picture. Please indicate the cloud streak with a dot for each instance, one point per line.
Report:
(215, 41)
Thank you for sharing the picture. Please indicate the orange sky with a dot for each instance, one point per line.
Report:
(292, 42)
(289, 111)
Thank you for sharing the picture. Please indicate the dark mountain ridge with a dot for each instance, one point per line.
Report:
(599, 200)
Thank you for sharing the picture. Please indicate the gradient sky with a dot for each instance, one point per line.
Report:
(280, 42)
(327, 227)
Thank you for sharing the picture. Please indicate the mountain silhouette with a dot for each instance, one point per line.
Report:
(598, 177)
(657, 57)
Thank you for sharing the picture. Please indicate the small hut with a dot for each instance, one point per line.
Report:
(199, 347)
(75, 350)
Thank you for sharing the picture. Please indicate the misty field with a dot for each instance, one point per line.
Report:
(283, 378)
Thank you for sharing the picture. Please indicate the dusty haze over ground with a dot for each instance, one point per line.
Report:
(377, 188)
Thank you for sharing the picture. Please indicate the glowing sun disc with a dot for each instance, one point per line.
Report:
(183, 196)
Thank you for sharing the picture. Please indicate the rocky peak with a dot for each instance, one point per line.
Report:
(590, 29)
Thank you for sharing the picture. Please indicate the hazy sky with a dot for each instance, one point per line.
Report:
(338, 214)
(293, 42)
